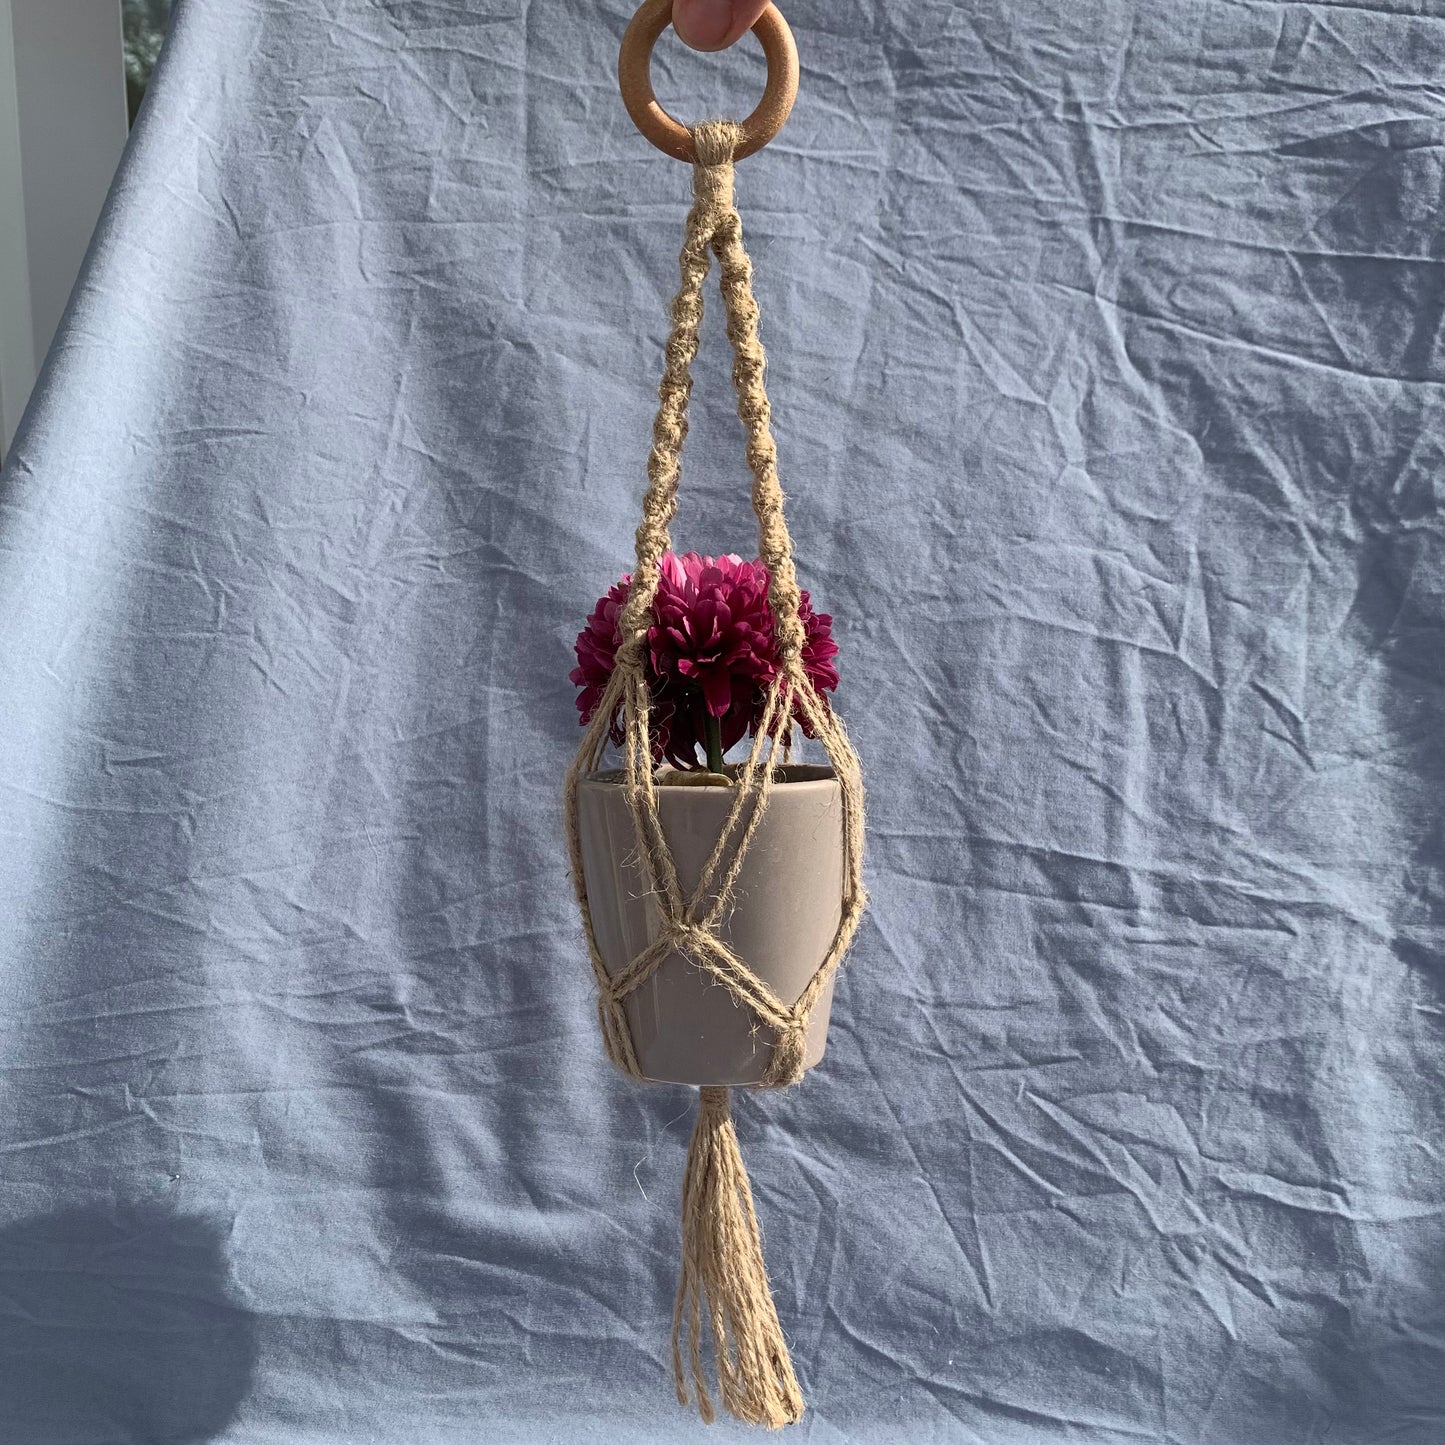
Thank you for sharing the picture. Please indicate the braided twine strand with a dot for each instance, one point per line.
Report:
(723, 1277)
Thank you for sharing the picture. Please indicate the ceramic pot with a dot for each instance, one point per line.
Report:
(687, 1029)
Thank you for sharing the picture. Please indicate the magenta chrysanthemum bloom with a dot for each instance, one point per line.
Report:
(597, 653)
(712, 631)
(710, 654)
(819, 650)
(596, 649)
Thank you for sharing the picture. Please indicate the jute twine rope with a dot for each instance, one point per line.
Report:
(723, 1278)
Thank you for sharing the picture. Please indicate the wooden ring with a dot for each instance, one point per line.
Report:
(634, 62)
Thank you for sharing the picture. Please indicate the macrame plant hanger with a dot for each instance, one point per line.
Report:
(723, 1283)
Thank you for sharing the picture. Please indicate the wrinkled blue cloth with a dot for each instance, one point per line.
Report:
(1106, 355)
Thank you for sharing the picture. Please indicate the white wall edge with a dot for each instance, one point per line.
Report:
(17, 326)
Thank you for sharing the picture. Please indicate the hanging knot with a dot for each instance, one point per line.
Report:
(691, 938)
(714, 142)
(631, 655)
(616, 1036)
(792, 636)
(786, 1066)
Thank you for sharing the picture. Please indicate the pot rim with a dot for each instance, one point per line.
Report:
(804, 777)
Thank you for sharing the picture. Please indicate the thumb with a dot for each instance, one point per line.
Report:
(714, 24)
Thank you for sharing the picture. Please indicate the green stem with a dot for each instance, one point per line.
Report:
(712, 736)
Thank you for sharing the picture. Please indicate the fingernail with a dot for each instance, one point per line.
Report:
(703, 24)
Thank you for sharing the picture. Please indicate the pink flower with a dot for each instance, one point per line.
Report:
(710, 652)
(819, 650)
(597, 653)
(712, 629)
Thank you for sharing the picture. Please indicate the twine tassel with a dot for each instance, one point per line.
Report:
(724, 1278)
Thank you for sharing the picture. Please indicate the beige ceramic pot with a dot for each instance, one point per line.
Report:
(686, 1029)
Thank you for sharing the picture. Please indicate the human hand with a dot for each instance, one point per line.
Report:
(714, 24)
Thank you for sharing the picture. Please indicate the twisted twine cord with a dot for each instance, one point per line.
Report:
(723, 1278)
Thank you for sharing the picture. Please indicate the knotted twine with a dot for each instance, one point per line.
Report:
(723, 1277)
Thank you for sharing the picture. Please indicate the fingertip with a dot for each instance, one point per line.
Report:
(704, 24)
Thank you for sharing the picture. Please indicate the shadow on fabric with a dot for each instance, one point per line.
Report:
(115, 1326)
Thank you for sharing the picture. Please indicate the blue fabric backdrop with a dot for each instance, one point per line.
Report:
(1107, 356)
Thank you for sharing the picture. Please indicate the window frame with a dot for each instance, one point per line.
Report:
(59, 66)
